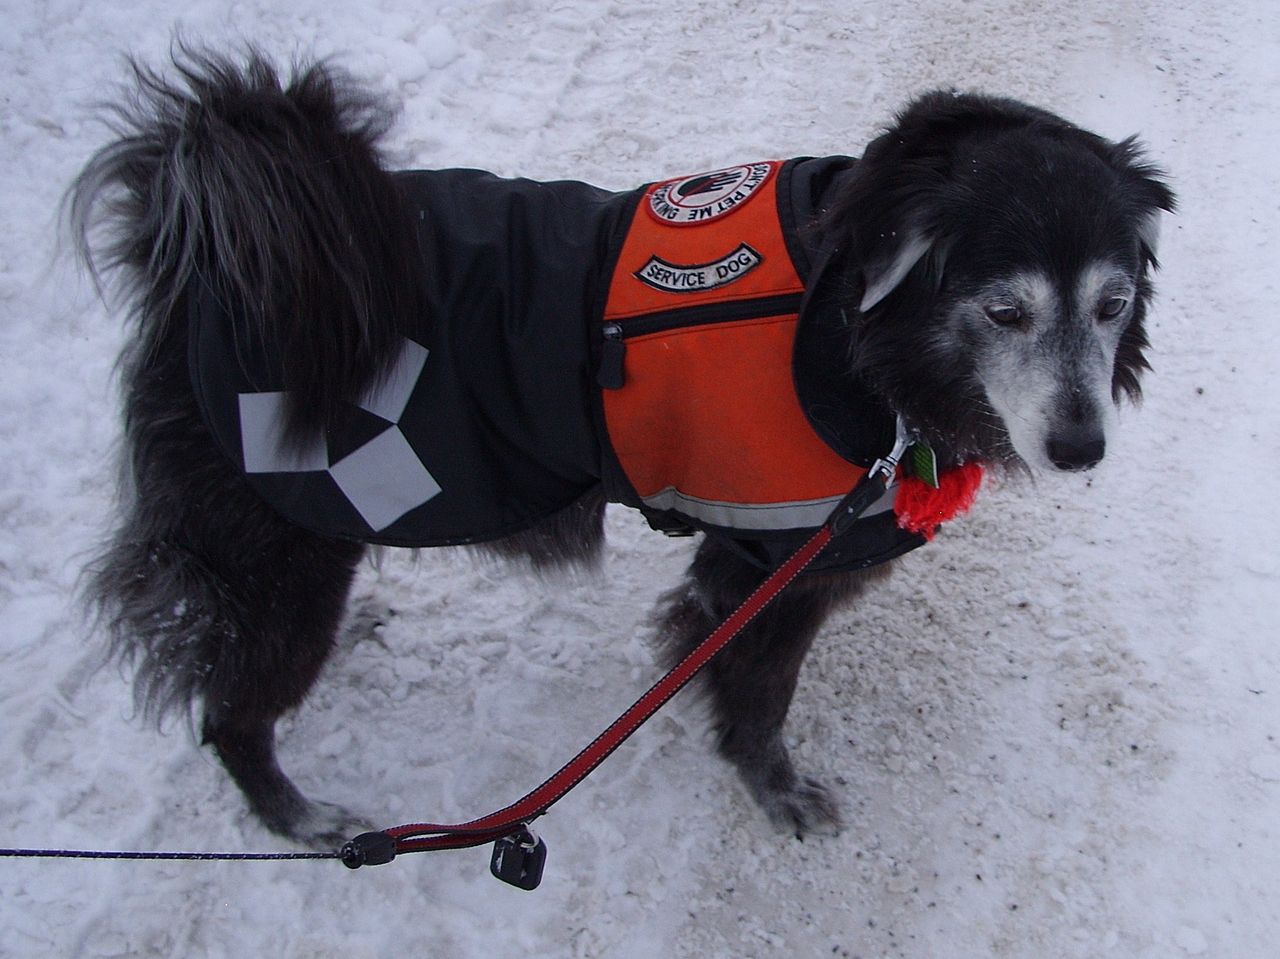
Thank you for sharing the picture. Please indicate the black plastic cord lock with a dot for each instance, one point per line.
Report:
(368, 849)
(518, 859)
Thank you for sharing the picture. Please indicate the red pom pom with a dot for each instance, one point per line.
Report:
(922, 509)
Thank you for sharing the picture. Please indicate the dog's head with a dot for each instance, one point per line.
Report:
(998, 262)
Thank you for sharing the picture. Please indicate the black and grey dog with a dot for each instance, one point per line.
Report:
(329, 354)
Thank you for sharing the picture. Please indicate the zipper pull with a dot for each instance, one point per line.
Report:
(613, 355)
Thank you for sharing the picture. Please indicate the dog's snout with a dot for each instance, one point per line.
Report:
(1076, 450)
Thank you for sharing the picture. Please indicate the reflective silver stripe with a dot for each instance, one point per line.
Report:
(383, 479)
(388, 397)
(801, 514)
(262, 419)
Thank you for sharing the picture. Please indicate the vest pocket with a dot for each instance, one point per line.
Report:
(611, 374)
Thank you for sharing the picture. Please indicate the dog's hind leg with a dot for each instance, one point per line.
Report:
(238, 623)
(220, 604)
(294, 593)
(751, 682)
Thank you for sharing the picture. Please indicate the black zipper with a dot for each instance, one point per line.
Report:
(613, 353)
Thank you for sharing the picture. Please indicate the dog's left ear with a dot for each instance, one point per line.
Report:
(1146, 188)
(1149, 236)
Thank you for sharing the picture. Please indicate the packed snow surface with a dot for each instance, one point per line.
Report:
(1054, 731)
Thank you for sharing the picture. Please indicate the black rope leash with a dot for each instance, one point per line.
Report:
(113, 854)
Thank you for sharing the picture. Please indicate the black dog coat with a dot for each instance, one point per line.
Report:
(492, 416)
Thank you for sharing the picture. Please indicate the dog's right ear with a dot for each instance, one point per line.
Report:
(884, 268)
(884, 219)
(883, 225)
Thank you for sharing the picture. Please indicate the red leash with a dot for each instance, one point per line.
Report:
(519, 855)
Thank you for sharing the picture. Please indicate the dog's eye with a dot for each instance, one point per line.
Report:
(1112, 308)
(1004, 314)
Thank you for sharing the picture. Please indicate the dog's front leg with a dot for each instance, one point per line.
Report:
(751, 682)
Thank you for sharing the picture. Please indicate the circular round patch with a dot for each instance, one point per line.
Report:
(696, 199)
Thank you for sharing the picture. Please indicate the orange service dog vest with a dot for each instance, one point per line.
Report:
(699, 329)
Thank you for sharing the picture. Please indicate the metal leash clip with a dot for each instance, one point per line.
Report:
(887, 465)
(873, 485)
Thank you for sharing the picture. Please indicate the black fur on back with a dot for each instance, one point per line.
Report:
(992, 185)
(271, 192)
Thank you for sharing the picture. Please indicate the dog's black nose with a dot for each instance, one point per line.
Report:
(1076, 453)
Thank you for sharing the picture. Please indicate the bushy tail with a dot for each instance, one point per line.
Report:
(270, 194)
(273, 194)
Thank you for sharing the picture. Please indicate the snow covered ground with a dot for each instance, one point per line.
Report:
(1055, 731)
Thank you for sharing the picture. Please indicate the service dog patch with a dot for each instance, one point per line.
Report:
(697, 199)
(676, 278)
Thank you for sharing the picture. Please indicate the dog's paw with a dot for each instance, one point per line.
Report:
(326, 827)
(804, 807)
(796, 804)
